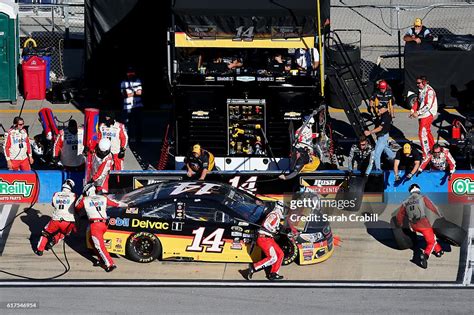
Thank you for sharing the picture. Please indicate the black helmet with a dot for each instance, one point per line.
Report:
(414, 188)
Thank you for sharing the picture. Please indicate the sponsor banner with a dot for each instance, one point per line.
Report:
(461, 188)
(18, 187)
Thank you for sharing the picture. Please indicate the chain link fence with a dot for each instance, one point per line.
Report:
(381, 21)
(51, 26)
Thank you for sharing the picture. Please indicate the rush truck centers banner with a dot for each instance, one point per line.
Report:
(18, 187)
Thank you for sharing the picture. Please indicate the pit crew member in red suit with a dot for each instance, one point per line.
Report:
(63, 221)
(95, 207)
(116, 133)
(425, 109)
(440, 160)
(69, 147)
(415, 208)
(101, 165)
(265, 240)
(17, 147)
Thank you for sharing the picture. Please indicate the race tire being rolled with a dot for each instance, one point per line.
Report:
(143, 247)
(403, 240)
(448, 231)
(289, 248)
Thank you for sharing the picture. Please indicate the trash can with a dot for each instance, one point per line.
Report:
(9, 50)
(44, 53)
(34, 78)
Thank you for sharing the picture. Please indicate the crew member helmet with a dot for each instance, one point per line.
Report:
(68, 184)
(414, 188)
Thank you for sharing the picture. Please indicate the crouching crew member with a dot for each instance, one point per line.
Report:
(407, 158)
(95, 207)
(266, 241)
(199, 162)
(415, 208)
(440, 159)
(63, 221)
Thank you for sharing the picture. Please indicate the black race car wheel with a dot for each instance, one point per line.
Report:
(289, 248)
(449, 231)
(143, 247)
(401, 238)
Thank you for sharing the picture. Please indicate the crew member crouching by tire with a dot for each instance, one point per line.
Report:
(63, 221)
(414, 208)
(95, 207)
(266, 241)
(199, 162)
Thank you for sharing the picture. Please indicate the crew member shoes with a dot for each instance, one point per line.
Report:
(250, 272)
(110, 268)
(424, 261)
(39, 252)
(438, 254)
(274, 276)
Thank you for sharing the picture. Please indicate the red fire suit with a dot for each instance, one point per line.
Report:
(70, 147)
(415, 209)
(427, 109)
(274, 254)
(100, 171)
(95, 207)
(118, 137)
(62, 222)
(18, 149)
(444, 162)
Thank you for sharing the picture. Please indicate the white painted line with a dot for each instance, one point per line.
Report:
(259, 284)
(4, 214)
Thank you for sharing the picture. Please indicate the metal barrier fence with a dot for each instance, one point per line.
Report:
(381, 20)
(50, 25)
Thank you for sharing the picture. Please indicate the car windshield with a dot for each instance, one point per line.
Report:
(141, 195)
(245, 206)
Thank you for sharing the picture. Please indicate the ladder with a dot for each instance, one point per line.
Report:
(335, 75)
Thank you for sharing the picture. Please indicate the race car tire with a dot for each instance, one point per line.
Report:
(403, 240)
(143, 247)
(448, 231)
(289, 248)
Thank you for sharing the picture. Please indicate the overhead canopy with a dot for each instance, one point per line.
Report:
(249, 19)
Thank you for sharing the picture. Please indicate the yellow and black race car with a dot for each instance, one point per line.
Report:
(203, 221)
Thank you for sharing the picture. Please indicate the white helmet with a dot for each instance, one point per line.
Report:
(89, 190)
(414, 188)
(309, 119)
(104, 145)
(68, 184)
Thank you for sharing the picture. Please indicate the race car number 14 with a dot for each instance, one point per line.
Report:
(213, 242)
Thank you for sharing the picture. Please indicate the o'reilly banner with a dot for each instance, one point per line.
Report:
(18, 187)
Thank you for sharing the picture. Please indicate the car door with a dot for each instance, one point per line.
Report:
(214, 235)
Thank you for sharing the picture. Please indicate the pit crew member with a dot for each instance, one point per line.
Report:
(266, 241)
(69, 147)
(383, 97)
(440, 160)
(425, 109)
(117, 134)
(63, 221)
(409, 158)
(361, 154)
(415, 207)
(95, 207)
(199, 162)
(17, 147)
(305, 160)
(101, 165)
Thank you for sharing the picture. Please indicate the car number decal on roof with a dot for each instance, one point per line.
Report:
(200, 189)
